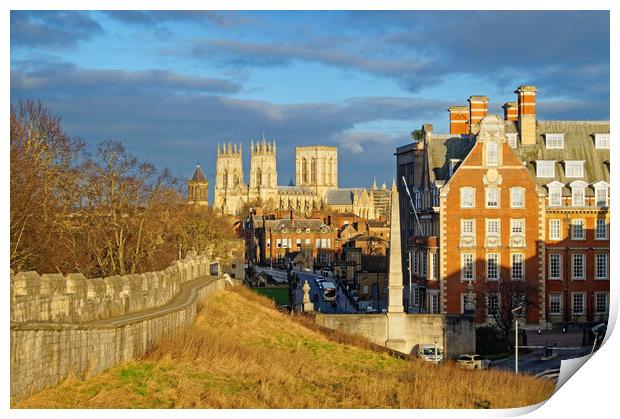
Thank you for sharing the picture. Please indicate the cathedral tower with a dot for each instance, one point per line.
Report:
(317, 168)
(230, 190)
(263, 172)
(198, 188)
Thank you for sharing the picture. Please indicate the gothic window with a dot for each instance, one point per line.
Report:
(313, 171)
(259, 177)
(225, 179)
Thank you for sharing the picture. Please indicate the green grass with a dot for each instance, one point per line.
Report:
(279, 295)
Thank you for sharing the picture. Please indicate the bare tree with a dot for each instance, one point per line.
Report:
(501, 298)
(42, 185)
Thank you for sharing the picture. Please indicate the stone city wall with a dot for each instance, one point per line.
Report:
(457, 334)
(43, 354)
(73, 298)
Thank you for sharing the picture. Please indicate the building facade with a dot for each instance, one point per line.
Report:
(316, 183)
(508, 203)
(198, 188)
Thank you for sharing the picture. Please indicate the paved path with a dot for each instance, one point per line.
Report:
(341, 305)
(183, 299)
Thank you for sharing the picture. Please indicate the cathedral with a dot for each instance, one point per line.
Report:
(316, 186)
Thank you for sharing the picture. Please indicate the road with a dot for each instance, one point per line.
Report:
(531, 363)
(341, 305)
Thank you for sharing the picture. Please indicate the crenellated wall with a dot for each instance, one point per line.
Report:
(72, 325)
(55, 298)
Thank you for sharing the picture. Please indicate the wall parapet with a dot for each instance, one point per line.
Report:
(54, 298)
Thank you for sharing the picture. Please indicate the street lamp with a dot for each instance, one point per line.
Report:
(436, 350)
(516, 312)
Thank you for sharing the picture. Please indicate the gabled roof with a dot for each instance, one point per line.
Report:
(303, 223)
(198, 176)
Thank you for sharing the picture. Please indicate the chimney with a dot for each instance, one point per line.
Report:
(478, 109)
(527, 114)
(459, 120)
(511, 111)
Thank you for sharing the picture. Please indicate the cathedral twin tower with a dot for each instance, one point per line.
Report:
(316, 172)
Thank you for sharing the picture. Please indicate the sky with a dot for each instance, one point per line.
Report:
(171, 85)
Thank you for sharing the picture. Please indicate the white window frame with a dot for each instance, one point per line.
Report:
(511, 139)
(424, 263)
(596, 302)
(516, 222)
(598, 229)
(492, 276)
(573, 168)
(545, 168)
(464, 223)
(583, 303)
(492, 152)
(517, 197)
(555, 196)
(555, 229)
(414, 262)
(488, 197)
(605, 265)
(578, 196)
(573, 264)
(468, 273)
(601, 190)
(513, 266)
(552, 296)
(581, 223)
(464, 192)
(554, 141)
(434, 265)
(464, 301)
(558, 259)
(602, 141)
(491, 222)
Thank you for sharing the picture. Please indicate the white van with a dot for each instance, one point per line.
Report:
(426, 352)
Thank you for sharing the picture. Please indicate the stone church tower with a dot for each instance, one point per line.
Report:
(263, 173)
(230, 189)
(198, 188)
(317, 168)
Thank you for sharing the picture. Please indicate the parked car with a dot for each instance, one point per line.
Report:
(427, 352)
(473, 362)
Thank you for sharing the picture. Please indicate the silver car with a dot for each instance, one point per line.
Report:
(473, 362)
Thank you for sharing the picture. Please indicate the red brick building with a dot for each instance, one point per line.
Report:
(500, 200)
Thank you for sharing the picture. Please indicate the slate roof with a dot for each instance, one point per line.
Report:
(442, 148)
(578, 145)
(342, 196)
(198, 176)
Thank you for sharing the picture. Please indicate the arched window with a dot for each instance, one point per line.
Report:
(259, 177)
(313, 172)
(225, 179)
(304, 171)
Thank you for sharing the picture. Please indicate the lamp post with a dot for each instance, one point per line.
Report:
(515, 312)
(436, 352)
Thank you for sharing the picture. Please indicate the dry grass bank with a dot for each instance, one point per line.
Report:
(242, 353)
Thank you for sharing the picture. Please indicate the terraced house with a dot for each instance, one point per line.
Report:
(503, 204)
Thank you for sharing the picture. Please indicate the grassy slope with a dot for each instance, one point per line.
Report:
(280, 295)
(243, 353)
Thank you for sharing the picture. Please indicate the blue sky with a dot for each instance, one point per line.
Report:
(171, 85)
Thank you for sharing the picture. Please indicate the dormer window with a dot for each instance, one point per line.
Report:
(578, 190)
(545, 168)
(555, 194)
(601, 194)
(554, 141)
(601, 141)
(511, 139)
(574, 168)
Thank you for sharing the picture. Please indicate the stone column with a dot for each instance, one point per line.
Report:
(396, 317)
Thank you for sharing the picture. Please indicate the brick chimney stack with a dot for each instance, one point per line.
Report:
(511, 111)
(527, 114)
(478, 109)
(459, 119)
